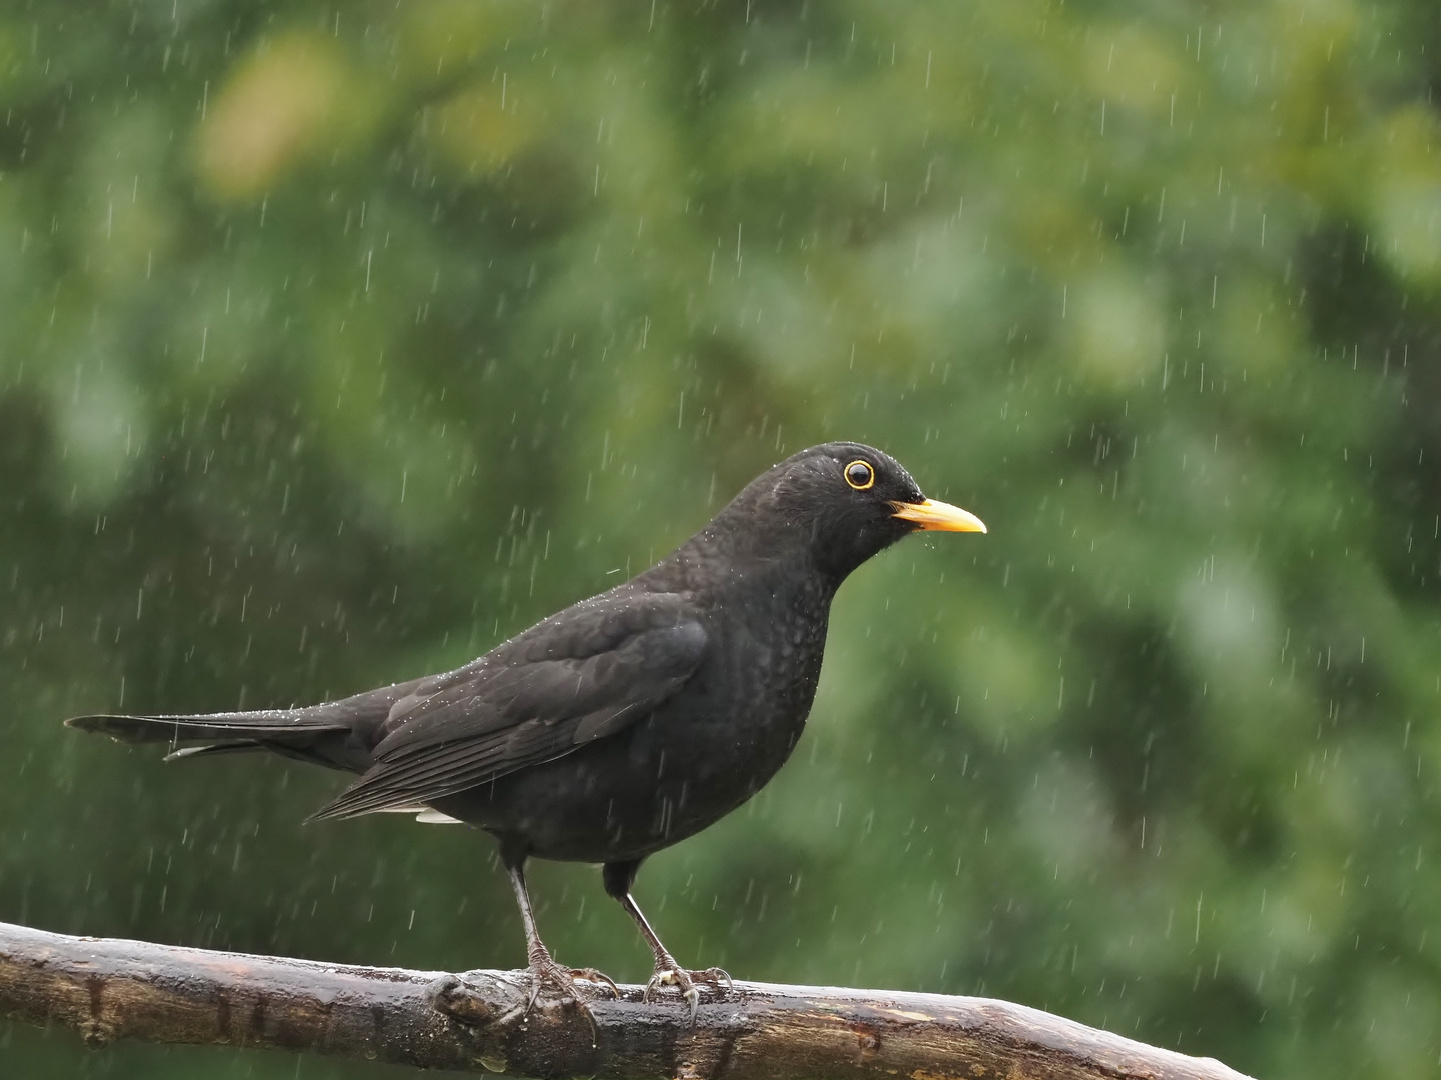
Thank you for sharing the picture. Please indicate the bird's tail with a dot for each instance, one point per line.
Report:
(292, 732)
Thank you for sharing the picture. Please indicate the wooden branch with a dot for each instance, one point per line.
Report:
(113, 989)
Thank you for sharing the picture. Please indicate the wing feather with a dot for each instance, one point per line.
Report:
(584, 674)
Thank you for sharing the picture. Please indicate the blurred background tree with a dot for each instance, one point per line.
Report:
(337, 343)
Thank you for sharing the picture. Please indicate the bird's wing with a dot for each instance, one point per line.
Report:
(584, 673)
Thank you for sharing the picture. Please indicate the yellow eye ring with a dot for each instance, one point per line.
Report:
(860, 475)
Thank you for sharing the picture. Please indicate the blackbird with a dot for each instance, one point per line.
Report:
(626, 722)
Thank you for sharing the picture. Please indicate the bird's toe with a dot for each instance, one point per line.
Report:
(553, 983)
(685, 981)
(671, 975)
(594, 976)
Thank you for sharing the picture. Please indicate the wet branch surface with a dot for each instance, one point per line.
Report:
(109, 989)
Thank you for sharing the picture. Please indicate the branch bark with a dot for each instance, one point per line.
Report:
(111, 989)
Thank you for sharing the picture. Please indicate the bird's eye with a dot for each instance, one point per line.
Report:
(860, 475)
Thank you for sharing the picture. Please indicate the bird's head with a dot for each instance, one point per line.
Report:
(846, 501)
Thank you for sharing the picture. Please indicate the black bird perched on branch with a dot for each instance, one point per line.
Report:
(626, 722)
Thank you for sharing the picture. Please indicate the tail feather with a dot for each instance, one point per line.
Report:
(270, 725)
(236, 746)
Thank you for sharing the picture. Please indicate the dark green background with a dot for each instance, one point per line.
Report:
(338, 343)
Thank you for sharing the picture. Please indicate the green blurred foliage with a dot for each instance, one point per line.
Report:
(337, 344)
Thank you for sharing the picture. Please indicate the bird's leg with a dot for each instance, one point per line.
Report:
(618, 878)
(546, 974)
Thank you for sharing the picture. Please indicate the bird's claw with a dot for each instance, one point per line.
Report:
(559, 983)
(673, 974)
(592, 975)
(714, 976)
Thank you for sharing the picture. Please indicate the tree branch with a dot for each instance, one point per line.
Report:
(113, 989)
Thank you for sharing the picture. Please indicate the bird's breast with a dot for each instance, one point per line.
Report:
(753, 693)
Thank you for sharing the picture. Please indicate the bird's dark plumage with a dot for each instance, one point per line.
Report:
(628, 721)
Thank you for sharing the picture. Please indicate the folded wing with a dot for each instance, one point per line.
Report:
(564, 683)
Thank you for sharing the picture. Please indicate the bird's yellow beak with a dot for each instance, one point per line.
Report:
(939, 516)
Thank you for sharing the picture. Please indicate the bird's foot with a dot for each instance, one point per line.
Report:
(669, 973)
(552, 983)
(558, 983)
